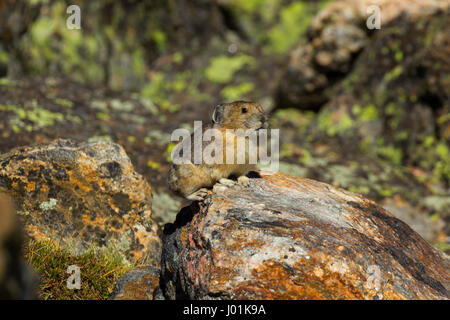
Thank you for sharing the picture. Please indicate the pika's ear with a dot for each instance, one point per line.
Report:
(217, 116)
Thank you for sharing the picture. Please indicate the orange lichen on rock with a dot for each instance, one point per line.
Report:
(138, 284)
(83, 193)
(285, 237)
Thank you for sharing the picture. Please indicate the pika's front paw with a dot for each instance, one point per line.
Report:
(227, 182)
(198, 195)
(244, 181)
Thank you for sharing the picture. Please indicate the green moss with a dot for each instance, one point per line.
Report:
(386, 191)
(394, 73)
(64, 102)
(178, 57)
(153, 164)
(122, 106)
(390, 153)
(443, 246)
(168, 152)
(103, 116)
(138, 62)
(295, 18)
(295, 117)
(4, 58)
(223, 68)
(326, 123)
(402, 135)
(398, 56)
(306, 156)
(359, 189)
(444, 118)
(368, 113)
(160, 39)
(232, 93)
(155, 87)
(31, 117)
(324, 120)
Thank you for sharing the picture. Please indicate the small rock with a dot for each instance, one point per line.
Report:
(138, 284)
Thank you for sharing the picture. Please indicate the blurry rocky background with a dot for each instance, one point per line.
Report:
(364, 110)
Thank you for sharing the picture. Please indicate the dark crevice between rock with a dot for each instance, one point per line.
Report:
(183, 218)
(435, 103)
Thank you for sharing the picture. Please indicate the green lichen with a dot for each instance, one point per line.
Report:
(294, 19)
(48, 205)
(334, 127)
(164, 207)
(122, 106)
(394, 73)
(368, 113)
(437, 203)
(223, 68)
(64, 102)
(232, 93)
(31, 117)
(390, 153)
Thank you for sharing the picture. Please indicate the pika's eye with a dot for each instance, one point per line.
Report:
(244, 110)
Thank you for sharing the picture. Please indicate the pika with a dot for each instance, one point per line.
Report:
(193, 180)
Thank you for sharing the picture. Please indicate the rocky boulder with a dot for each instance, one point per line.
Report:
(295, 238)
(17, 280)
(80, 195)
(335, 38)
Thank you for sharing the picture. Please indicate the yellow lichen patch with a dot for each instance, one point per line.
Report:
(98, 221)
(79, 183)
(31, 186)
(35, 233)
(74, 197)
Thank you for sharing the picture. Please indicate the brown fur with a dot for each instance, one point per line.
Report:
(186, 179)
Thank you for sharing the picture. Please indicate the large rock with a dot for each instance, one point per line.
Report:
(391, 104)
(82, 194)
(17, 279)
(294, 238)
(336, 36)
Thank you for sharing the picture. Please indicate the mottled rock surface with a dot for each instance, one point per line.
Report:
(82, 194)
(295, 238)
(17, 279)
(138, 284)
